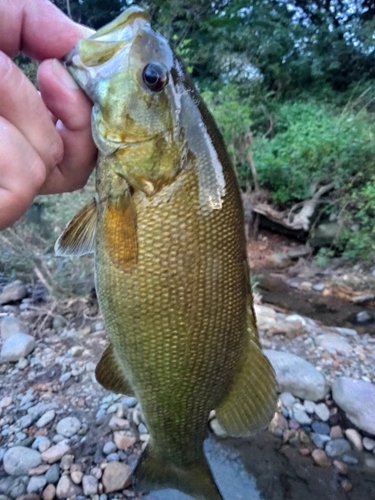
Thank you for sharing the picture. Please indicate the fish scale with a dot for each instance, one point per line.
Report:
(172, 279)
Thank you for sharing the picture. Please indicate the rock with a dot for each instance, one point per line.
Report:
(301, 416)
(364, 318)
(333, 343)
(53, 474)
(124, 442)
(18, 487)
(66, 489)
(76, 476)
(320, 458)
(76, 351)
(357, 399)
(44, 445)
(55, 453)
(348, 459)
(341, 468)
(370, 463)
(24, 422)
(279, 260)
(66, 462)
(296, 253)
(319, 287)
(368, 444)
(117, 424)
(16, 347)
(68, 426)
(322, 412)
(361, 299)
(10, 325)
(116, 476)
(13, 292)
(49, 492)
(297, 376)
(278, 424)
(6, 401)
(19, 459)
(36, 484)
(89, 485)
(46, 418)
(293, 326)
(320, 428)
(336, 432)
(346, 485)
(354, 438)
(287, 399)
(266, 317)
(216, 428)
(109, 447)
(130, 402)
(337, 447)
(38, 471)
(309, 406)
(305, 286)
(320, 440)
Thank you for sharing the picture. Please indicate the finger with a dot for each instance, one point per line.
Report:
(22, 173)
(73, 109)
(24, 108)
(38, 28)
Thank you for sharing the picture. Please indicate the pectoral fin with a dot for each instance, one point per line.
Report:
(251, 400)
(120, 231)
(78, 237)
(110, 374)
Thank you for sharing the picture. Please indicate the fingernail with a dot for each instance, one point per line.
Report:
(64, 77)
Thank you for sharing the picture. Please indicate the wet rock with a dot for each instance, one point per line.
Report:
(297, 376)
(19, 459)
(354, 438)
(68, 426)
(46, 418)
(357, 399)
(337, 447)
(13, 292)
(333, 343)
(116, 476)
(66, 489)
(10, 325)
(55, 453)
(320, 458)
(321, 411)
(320, 440)
(89, 485)
(368, 443)
(36, 484)
(16, 347)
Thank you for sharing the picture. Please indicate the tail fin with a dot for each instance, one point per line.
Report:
(196, 480)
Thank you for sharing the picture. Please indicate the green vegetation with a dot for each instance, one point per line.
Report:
(291, 85)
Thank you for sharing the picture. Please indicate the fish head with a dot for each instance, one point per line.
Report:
(125, 68)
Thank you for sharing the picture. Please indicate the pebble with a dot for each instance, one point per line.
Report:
(333, 343)
(130, 401)
(357, 399)
(368, 443)
(320, 427)
(89, 485)
(11, 325)
(364, 317)
(297, 376)
(142, 429)
(55, 453)
(124, 442)
(46, 418)
(49, 492)
(38, 471)
(336, 432)
(13, 292)
(68, 426)
(53, 474)
(66, 489)
(301, 416)
(320, 458)
(341, 468)
(18, 487)
(370, 463)
(117, 423)
(36, 484)
(287, 399)
(354, 438)
(346, 485)
(25, 421)
(16, 347)
(321, 411)
(116, 476)
(18, 460)
(320, 440)
(336, 447)
(109, 447)
(309, 406)
(348, 459)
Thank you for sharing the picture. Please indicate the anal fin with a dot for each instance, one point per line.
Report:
(120, 231)
(78, 238)
(110, 374)
(251, 400)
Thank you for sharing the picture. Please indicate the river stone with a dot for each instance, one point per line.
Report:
(36, 484)
(19, 459)
(354, 438)
(16, 347)
(337, 447)
(49, 492)
(322, 412)
(53, 474)
(116, 476)
(67, 489)
(297, 376)
(89, 485)
(56, 452)
(266, 317)
(10, 325)
(301, 416)
(46, 418)
(320, 458)
(18, 487)
(13, 292)
(68, 426)
(320, 440)
(357, 399)
(333, 343)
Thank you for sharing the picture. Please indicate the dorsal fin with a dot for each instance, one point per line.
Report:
(78, 238)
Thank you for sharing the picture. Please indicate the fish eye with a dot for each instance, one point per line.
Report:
(155, 77)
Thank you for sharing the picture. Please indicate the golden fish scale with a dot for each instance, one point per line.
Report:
(178, 318)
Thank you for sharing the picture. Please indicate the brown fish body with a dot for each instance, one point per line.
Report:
(171, 274)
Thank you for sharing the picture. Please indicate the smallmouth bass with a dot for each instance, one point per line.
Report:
(172, 279)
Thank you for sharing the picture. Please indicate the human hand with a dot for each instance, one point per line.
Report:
(45, 138)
